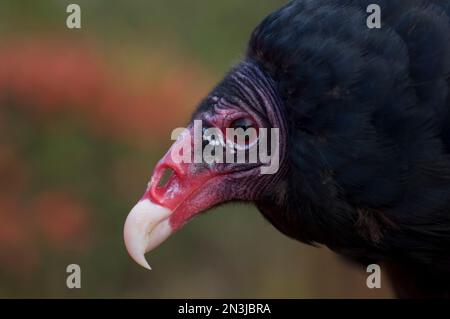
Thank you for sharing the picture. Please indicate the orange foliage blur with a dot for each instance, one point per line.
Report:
(47, 78)
(50, 75)
(61, 220)
(18, 247)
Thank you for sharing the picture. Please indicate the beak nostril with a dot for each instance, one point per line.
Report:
(165, 177)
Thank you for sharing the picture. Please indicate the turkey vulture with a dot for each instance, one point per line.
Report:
(364, 139)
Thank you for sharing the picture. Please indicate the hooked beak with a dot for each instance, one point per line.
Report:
(164, 209)
(147, 226)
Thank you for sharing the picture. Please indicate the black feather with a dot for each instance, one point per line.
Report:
(369, 130)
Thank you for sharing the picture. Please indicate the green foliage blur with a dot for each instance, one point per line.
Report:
(84, 116)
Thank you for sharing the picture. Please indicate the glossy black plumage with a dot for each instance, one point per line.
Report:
(368, 133)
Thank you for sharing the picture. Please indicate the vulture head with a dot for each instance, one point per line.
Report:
(361, 156)
(245, 101)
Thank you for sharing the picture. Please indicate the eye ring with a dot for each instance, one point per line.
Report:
(246, 126)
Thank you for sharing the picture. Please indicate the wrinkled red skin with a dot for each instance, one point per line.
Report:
(196, 187)
(184, 194)
(187, 192)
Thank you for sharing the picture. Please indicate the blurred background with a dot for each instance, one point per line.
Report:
(84, 116)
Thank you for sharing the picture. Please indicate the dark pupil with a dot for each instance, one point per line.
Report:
(242, 123)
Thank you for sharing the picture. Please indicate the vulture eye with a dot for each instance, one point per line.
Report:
(243, 123)
(246, 137)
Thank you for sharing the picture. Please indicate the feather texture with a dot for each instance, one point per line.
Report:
(368, 130)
